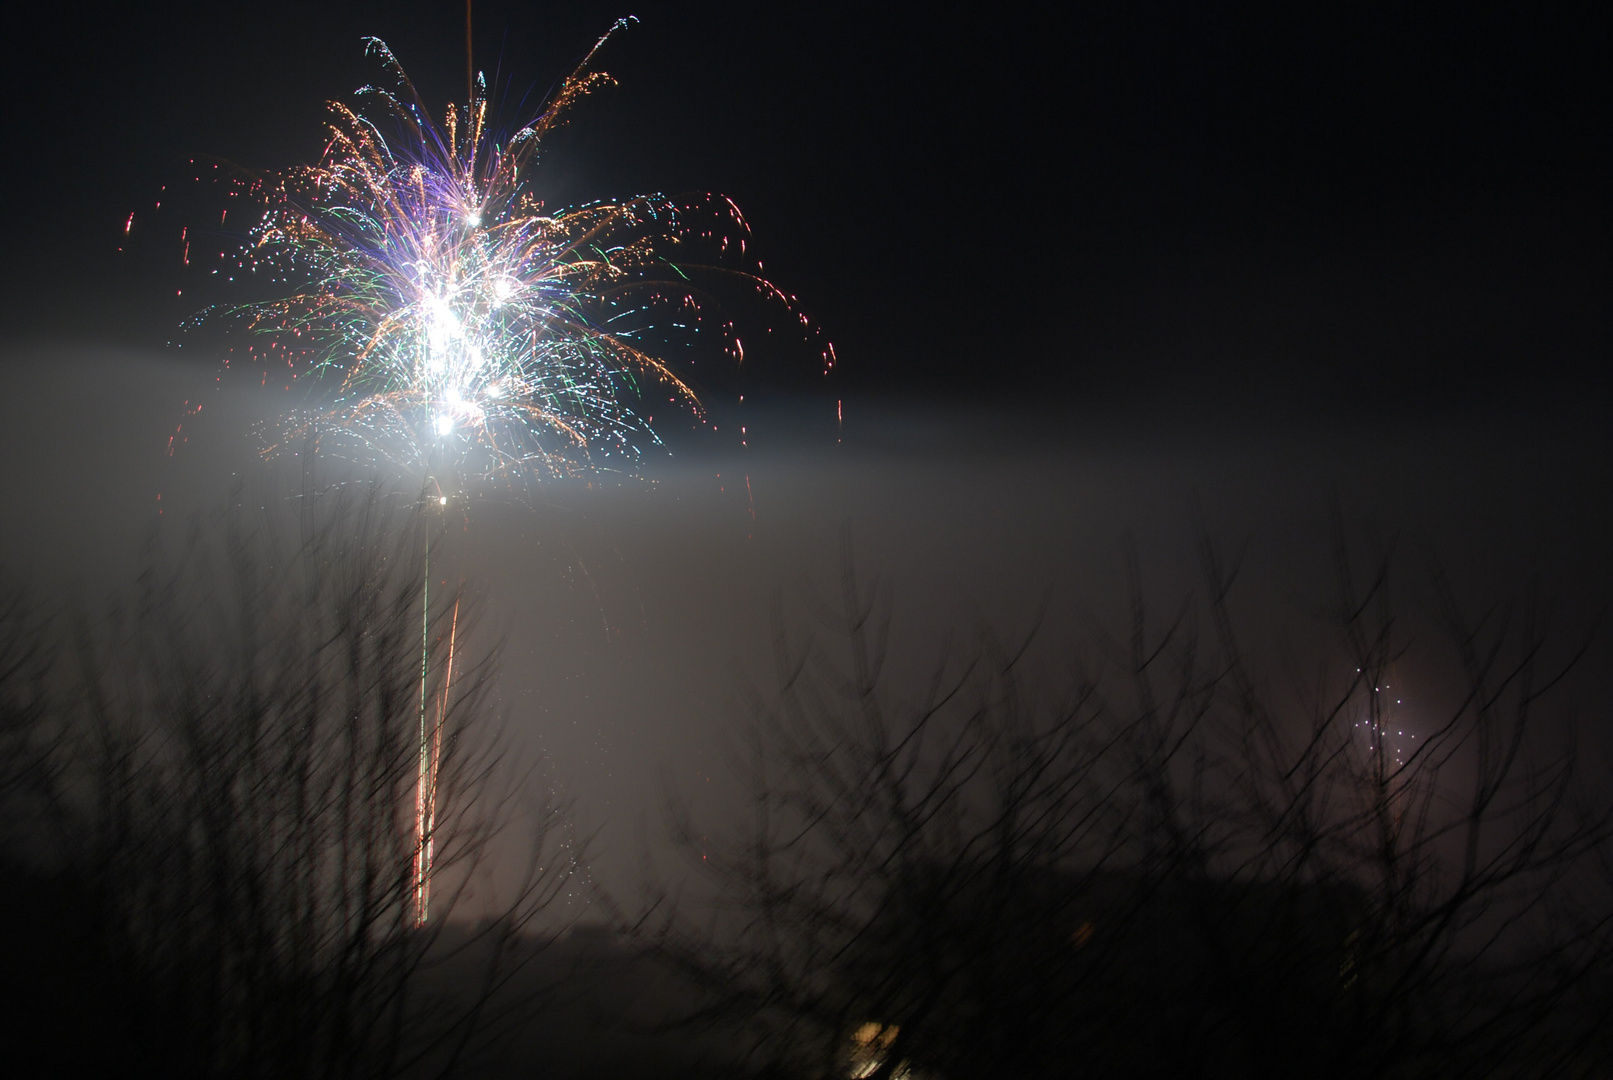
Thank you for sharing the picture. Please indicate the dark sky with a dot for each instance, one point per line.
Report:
(1085, 271)
(1357, 205)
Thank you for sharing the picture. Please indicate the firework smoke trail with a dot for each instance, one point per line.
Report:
(460, 330)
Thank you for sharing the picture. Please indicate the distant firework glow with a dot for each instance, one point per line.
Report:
(457, 327)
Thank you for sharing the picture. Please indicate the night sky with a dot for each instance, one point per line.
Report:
(1089, 269)
(1372, 204)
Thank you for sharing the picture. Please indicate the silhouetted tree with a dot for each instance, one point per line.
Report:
(1169, 870)
(228, 766)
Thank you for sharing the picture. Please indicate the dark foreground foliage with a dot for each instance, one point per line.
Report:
(210, 795)
(1170, 869)
(1164, 866)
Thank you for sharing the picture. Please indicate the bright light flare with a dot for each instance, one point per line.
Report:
(432, 293)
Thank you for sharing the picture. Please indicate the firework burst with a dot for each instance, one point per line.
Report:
(458, 327)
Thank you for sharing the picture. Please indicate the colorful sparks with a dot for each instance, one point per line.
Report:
(453, 324)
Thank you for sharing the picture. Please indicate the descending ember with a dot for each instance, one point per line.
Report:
(458, 326)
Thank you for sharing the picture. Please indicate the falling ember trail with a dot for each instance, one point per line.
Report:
(423, 778)
(426, 789)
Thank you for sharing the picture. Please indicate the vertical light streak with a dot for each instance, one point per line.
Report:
(423, 778)
(430, 778)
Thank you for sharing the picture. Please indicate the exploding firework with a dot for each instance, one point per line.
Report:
(456, 326)
(1383, 723)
